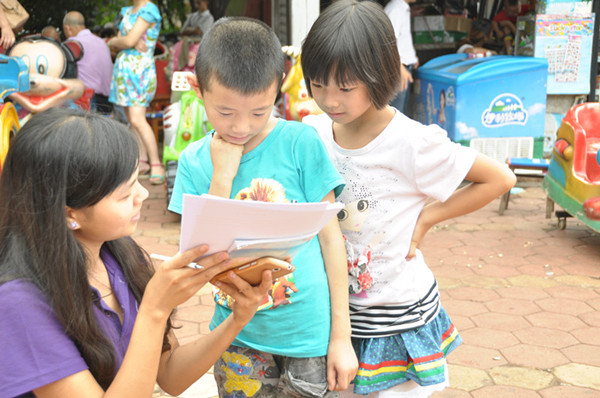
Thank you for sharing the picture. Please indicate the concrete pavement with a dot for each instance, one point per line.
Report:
(524, 295)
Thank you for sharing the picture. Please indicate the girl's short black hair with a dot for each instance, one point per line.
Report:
(242, 54)
(354, 40)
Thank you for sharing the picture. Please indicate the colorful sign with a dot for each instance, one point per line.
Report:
(505, 109)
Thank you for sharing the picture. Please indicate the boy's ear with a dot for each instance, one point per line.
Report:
(193, 82)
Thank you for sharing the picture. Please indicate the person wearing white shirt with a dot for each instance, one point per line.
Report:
(399, 13)
(200, 21)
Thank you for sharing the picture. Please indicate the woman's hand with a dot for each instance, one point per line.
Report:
(174, 282)
(246, 297)
(141, 46)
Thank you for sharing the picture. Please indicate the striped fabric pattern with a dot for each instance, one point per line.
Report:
(388, 320)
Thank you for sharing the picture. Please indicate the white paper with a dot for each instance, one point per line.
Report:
(218, 222)
(276, 247)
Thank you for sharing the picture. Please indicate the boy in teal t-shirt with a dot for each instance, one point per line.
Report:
(298, 343)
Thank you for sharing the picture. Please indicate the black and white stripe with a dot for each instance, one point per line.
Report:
(388, 320)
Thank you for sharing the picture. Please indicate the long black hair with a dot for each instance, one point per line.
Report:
(67, 158)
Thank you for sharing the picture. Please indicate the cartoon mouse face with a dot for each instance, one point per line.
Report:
(52, 72)
(41, 57)
(47, 57)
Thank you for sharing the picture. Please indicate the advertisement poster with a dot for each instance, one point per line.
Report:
(566, 42)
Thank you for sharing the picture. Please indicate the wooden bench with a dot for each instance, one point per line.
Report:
(526, 167)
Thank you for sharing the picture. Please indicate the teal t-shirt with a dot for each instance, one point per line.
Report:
(290, 165)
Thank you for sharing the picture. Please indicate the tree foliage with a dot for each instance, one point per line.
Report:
(97, 12)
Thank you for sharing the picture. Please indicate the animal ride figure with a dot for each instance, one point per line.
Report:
(297, 101)
(14, 77)
(52, 72)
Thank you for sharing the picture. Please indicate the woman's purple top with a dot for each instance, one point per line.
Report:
(34, 349)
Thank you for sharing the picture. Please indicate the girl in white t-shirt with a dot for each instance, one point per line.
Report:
(401, 180)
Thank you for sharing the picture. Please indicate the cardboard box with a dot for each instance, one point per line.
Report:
(457, 23)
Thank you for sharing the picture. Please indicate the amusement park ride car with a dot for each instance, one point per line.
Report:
(573, 178)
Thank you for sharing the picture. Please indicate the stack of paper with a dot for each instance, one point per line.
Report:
(249, 228)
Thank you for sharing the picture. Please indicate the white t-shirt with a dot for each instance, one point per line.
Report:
(399, 13)
(203, 20)
(388, 182)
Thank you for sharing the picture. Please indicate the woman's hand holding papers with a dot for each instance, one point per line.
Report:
(174, 282)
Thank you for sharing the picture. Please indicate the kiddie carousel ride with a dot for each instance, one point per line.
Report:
(36, 74)
(52, 73)
(14, 77)
(573, 178)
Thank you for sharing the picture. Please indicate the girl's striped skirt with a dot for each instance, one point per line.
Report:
(416, 354)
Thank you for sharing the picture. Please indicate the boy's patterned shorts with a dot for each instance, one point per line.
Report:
(244, 372)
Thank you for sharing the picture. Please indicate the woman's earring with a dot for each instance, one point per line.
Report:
(73, 224)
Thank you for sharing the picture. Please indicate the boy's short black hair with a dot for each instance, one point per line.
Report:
(356, 41)
(243, 54)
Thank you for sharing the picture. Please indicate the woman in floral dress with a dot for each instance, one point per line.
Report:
(134, 77)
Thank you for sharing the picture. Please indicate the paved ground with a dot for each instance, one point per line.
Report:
(524, 295)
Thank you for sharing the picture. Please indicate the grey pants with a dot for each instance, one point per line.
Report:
(244, 372)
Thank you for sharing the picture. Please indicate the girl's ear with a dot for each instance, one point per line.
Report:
(72, 217)
(193, 82)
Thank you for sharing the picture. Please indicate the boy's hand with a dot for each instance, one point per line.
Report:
(341, 364)
(225, 158)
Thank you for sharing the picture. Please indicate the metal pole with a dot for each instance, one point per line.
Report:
(594, 67)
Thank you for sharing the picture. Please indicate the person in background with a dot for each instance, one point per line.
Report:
(399, 13)
(198, 22)
(479, 42)
(402, 178)
(505, 21)
(95, 68)
(134, 78)
(51, 32)
(107, 32)
(85, 313)
(184, 54)
(7, 38)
